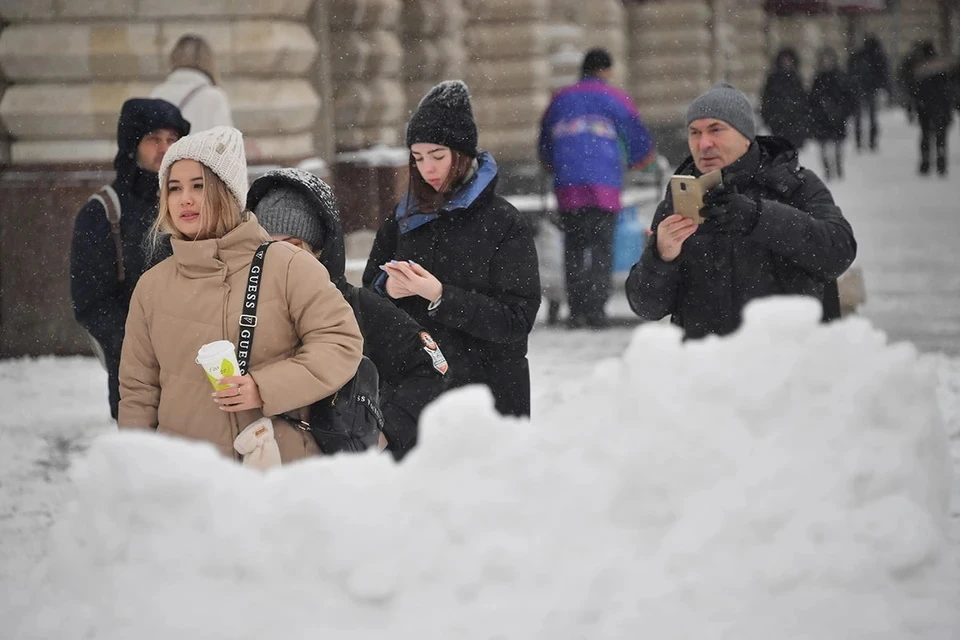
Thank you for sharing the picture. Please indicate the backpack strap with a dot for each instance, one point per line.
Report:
(108, 198)
(190, 94)
(355, 303)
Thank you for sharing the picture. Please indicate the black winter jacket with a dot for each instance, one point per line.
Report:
(785, 107)
(100, 300)
(411, 366)
(832, 102)
(481, 249)
(869, 69)
(800, 245)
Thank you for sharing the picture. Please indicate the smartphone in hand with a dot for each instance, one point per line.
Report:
(688, 192)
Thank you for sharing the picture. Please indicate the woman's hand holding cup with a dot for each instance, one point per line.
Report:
(243, 394)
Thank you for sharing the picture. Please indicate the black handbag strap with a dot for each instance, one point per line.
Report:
(248, 319)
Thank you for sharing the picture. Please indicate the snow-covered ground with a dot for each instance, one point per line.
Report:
(788, 482)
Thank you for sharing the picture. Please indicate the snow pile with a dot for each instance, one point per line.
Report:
(789, 482)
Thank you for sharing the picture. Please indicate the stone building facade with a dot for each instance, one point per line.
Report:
(337, 79)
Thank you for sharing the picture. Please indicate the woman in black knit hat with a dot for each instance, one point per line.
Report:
(459, 258)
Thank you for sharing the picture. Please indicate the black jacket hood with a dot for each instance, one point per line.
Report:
(321, 196)
(138, 117)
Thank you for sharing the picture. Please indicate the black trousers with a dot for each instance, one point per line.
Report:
(930, 131)
(588, 253)
(868, 103)
(832, 167)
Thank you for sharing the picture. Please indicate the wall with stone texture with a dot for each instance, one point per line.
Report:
(808, 35)
(72, 64)
(670, 60)
(508, 72)
(741, 45)
(434, 48)
(366, 57)
(919, 20)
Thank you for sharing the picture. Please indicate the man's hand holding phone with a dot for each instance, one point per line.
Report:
(671, 234)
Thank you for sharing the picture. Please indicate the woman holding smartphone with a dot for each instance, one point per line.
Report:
(458, 257)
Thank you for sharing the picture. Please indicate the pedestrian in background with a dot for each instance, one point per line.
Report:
(589, 133)
(107, 253)
(194, 85)
(785, 107)
(869, 71)
(832, 102)
(934, 80)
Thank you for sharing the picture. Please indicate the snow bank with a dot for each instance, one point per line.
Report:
(789, 482)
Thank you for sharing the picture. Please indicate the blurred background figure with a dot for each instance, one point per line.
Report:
(785, 107)
(933, 79)
(905, 79)
(193, 85)
(590, 133)
(832, 102)
(870, 72)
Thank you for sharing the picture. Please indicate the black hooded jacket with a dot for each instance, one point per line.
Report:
(100, 300)
(800, 245)
(481, 249)
(785, 107)
(411, 366)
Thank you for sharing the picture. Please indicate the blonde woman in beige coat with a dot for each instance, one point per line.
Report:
(307, 343)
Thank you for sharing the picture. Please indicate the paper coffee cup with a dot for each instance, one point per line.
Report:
(219, 360)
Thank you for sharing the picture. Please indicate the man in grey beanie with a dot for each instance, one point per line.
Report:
(770, 228)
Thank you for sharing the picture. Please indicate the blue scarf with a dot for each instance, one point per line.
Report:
(410, 218)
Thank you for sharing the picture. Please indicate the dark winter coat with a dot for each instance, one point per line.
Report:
(481, 249)
(832, 102)
(800, 245)
(100, 300)
(785, 107)
(935, 87)
(412, 368)
(869, 69)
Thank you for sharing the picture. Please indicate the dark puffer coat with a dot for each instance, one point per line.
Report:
(785, 107)
(800, 245)
(100, 300)
(832, 102)
(481, 249)
(411, 366)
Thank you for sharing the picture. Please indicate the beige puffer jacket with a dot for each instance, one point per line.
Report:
(306, 346)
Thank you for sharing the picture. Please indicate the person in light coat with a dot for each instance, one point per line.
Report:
(194, 85)
(307, 344)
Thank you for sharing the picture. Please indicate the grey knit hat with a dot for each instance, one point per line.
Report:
(287, 211)
(725, 102)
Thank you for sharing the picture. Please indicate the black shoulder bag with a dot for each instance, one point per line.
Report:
(348, 421)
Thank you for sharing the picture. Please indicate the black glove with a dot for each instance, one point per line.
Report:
(729, 213)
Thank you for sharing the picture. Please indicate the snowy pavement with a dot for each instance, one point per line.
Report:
(908, 236)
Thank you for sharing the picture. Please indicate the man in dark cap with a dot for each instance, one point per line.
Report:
(586, 131)
(770, 228)
(108, 253)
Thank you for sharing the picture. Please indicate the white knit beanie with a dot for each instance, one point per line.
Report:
(220, 149)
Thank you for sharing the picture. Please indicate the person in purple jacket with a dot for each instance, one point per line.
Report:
(590, 132)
